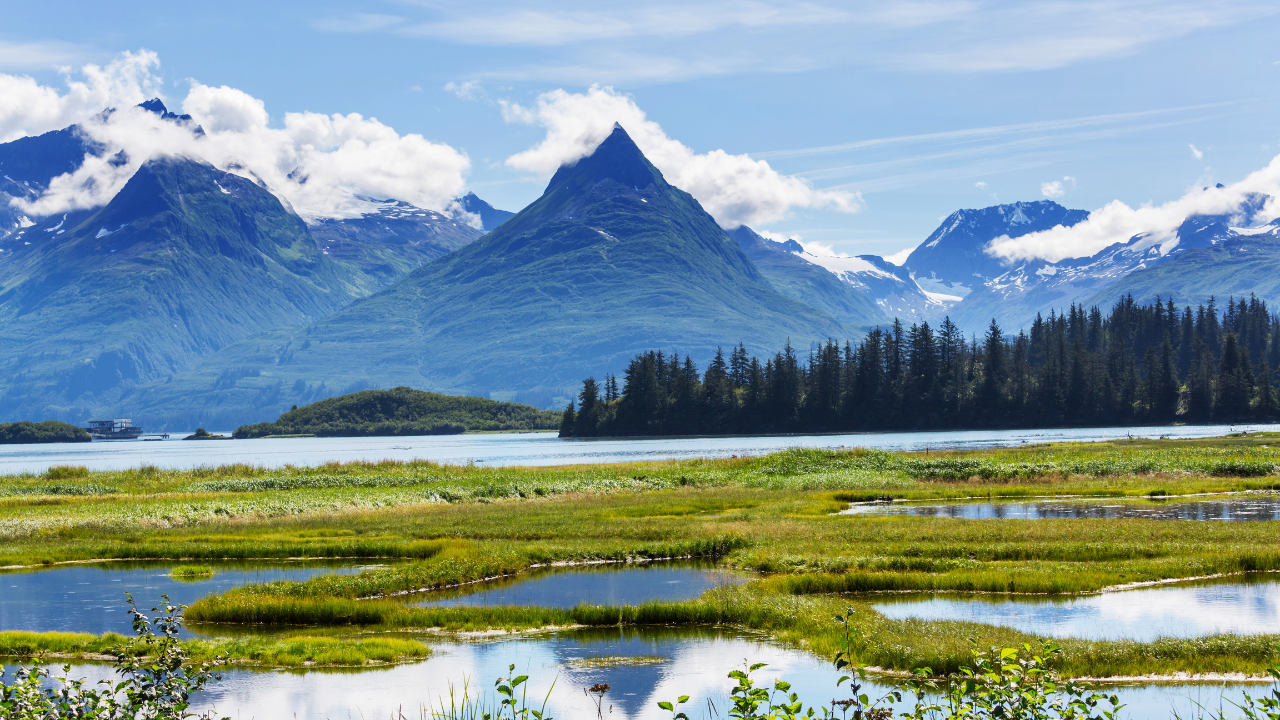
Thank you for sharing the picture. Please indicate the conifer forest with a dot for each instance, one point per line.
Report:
(1150, 364)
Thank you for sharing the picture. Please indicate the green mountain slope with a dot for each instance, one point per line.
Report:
(184, 261)
(610, 261)
(403, 411)
(1238, 266)
(811, 284)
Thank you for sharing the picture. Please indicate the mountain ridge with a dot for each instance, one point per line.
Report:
(610, 260)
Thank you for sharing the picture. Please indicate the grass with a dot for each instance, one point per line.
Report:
(288, 651)
(192, 572)
(769, 514)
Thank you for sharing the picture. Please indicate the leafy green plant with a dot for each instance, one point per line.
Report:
(1009, 684)
(156, 679)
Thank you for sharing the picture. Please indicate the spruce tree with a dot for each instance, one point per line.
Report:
(567, 421)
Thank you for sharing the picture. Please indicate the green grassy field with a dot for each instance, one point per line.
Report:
(772, 515)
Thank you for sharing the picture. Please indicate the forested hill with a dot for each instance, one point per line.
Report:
(26, 432)
(402, 411)
(1140, 363)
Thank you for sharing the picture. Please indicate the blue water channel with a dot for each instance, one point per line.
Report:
(91, 597)
(1242, 605)
(591, 585)
(642, 665)
(1245, 507)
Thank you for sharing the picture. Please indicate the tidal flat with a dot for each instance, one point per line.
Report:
(775, 516)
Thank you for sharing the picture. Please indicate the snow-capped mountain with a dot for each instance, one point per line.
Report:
(1015, 294)
(891, 287)
(391, 239)
(951, 261)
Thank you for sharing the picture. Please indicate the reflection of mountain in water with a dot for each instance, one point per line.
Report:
(632, 685)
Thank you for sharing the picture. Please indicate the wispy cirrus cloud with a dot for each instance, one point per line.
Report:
(38, 55)
(671, 41)
(357, 23)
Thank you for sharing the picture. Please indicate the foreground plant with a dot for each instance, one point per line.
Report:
(156, 679)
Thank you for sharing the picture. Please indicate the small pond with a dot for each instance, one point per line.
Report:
(642, 668)
(1242, 606)
(1240, 508)
(90, 597)
(591, 585)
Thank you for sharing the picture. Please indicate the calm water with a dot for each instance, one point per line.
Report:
(90, 598)
(530, 448)
(1243, 607)
(599, 585)
(561, 666)
(1239, 508)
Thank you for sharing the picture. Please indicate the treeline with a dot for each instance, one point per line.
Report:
(49, 431)
(1137, 364)
(401, 411)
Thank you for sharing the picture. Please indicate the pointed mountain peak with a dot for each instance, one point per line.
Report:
(618, 158)
(618, 126)
(155, 105)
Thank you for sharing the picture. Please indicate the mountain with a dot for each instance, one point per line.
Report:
(1028, 288)
(610, 261)
(1220, 262)
(384, 245)
(183, 261)
(951, 261)
(29, 163)
(792, 275)
(490, 216)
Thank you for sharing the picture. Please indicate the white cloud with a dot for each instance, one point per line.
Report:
(776, 236)
(735, 189)
(1053, 189)
(469, 90)
(1158, 224)
(1196, 153)
(901, 256)
(1069, 179)
(817, 249)
(28, 108)
(333, 159)
(980, 185)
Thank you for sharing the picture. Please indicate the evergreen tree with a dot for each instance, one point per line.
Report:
(588, 419)
(567, 420)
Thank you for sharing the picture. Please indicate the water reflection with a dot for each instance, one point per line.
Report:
(1249, 606)
(592, 585)
(90, 598)
(561, 666)
(1234, 509)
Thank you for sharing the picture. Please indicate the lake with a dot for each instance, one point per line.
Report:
(533, 448)
(1246, 605)
(1249, 507)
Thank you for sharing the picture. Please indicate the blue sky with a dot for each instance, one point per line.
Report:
(920, 107)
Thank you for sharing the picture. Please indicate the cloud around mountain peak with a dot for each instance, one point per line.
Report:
(735, 189)
(321, 165)
(1117, 222)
